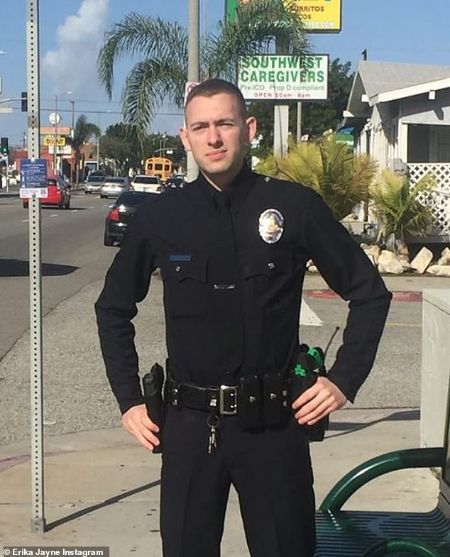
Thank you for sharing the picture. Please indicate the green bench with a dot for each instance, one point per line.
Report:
(343, 533)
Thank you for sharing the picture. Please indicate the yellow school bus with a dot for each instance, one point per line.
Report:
(159, 166)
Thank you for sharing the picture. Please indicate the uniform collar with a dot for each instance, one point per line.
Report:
(234, 194)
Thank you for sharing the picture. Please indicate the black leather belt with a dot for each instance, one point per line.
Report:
(221, 399)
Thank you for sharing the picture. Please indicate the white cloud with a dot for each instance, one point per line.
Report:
(73, 65)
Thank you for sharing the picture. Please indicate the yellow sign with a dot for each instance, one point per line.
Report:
(319, 16)
(50, 140)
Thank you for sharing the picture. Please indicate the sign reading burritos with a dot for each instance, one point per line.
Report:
(319, 16)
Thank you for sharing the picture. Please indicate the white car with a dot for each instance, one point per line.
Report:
(113, 186)
(145, 183)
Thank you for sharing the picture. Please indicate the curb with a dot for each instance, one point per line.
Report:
(397, 295)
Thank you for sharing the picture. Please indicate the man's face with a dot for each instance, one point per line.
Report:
(217, 133)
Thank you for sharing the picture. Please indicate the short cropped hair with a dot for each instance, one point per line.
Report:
(215, 86)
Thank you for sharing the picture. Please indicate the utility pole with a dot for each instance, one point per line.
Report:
(98, 143)
(280, 121)
(299, 121)
(193, 69)
(55, 145)
(73, 118)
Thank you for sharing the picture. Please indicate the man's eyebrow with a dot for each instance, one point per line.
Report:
(218, 121)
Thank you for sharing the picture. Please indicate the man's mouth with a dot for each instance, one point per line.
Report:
(216, 155)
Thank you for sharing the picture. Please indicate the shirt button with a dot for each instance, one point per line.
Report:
(177, 268)
(267, 179)
(271, 265)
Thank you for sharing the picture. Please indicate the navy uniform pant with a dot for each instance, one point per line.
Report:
(270, 470)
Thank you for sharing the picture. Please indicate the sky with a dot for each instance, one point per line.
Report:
(72, 31)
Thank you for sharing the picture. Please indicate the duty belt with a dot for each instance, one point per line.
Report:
(257, 400)
(222, 399)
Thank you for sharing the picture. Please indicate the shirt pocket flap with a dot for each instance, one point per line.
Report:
(181, 270)
(268, 264)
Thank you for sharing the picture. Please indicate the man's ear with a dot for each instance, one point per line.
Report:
(251, 128)
(184, 139)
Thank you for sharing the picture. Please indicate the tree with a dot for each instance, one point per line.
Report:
(162, 74)
(165, 145)
(399, 209)
(121, 144)
(321, 116)
(83, 131)
(328, 167)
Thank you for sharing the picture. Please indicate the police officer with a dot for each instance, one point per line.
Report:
(232, 248)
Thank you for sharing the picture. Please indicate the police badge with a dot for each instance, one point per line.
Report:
(271, 225)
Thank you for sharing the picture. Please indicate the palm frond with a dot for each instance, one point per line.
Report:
(83, 131)
(259, 25)
(140, 35)
(163, 44)
(398, 207)
(146, 87)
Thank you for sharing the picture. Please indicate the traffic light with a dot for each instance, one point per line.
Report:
(24, 100)
(4, 147)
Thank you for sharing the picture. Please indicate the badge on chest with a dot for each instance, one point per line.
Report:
(271, 225)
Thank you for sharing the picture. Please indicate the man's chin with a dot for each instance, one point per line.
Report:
(216, 168)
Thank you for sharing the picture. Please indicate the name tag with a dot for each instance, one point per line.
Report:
(180, 257)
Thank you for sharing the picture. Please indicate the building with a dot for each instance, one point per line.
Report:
(401, 117)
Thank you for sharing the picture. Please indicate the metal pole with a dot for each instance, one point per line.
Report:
(281, 130)
(98, 142)
(280, 121)
(73, 117)
(37, 437)
(55, 152)
(72, 134)
(193, 70)
(299, 121)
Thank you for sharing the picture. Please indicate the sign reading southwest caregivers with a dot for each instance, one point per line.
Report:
(284, 77)
(319, 16)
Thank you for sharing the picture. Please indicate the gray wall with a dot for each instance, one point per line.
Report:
(435, 367)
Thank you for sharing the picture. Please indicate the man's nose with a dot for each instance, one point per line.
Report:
(214, 136)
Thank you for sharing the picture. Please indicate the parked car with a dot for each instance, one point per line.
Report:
(93, 183)
(114, 186)
(175, 182)
(143, 182)
(120, 214)
(58, 193)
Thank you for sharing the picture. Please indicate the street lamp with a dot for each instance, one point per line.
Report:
(72, 102)
(55, 140)
(162, 141)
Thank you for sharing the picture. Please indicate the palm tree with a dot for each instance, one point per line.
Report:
(399, 209)
(82, 132)
(162, 73)
(328, 167)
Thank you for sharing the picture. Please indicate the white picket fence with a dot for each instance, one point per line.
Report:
(439, 200)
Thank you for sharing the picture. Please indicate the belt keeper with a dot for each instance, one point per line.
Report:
(174, 392)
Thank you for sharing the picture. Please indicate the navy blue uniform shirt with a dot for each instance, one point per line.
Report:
(232, 299)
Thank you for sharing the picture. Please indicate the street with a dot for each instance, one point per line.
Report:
(72, 255)
(77, 396)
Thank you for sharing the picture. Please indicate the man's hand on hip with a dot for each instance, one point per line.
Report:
(136, 421)
(318, 401)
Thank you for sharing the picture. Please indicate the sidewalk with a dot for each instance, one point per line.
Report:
(102, 489)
